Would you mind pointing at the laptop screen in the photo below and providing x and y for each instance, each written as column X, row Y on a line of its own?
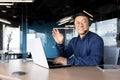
column 38, row 55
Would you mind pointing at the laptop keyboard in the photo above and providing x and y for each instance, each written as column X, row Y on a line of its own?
column 51, row 63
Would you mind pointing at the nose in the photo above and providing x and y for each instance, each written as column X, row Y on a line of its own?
column 80, row 25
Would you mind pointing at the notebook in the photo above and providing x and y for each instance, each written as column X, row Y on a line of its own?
column 38, row 54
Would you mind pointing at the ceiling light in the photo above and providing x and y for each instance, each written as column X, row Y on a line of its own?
column 60, row 23
column 64, row 28
column 5, row 21
column 64, row 20
column 8, row 6
column 16, row 1
column 4, row 3
column 91, row 19
column 4, row 11
column 88, row 13
column 14, row 16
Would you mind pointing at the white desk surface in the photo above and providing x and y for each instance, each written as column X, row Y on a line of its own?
column 35, row 72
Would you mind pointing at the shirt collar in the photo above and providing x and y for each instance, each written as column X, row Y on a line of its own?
column 86, row 36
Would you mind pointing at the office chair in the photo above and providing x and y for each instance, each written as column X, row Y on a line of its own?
column 111, row 54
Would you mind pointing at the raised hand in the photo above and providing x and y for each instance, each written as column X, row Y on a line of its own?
column 58, row 37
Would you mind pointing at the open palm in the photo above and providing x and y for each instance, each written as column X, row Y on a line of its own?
column 58, row 37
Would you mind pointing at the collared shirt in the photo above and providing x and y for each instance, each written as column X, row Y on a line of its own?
column 87, row 51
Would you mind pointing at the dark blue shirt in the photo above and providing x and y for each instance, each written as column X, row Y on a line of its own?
column 87, row 51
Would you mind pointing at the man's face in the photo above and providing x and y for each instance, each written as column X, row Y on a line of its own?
column 81, row 25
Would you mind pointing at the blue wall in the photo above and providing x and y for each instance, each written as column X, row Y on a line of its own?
column 44, row 31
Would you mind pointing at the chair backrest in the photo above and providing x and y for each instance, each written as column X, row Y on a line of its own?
column 111, row 54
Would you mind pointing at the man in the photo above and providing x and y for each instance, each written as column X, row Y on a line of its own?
column 85, row 50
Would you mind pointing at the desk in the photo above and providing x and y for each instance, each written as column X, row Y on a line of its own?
column 35, row 72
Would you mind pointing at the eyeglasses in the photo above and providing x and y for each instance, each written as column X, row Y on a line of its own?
column 83, row 22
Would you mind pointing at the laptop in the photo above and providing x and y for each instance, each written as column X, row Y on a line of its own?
column 35, row 47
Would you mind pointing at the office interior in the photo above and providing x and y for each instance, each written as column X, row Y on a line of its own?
column 24, row 20
column 36, row 19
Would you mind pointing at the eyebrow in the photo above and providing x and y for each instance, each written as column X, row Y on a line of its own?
column 82, row 20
